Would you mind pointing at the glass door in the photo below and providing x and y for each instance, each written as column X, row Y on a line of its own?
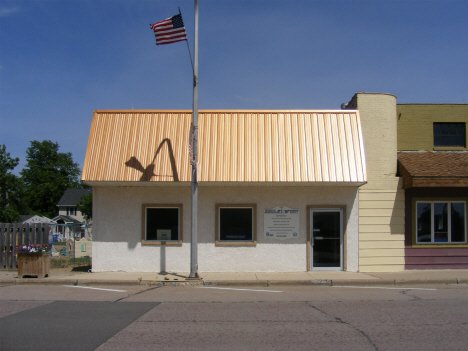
column 326, row 239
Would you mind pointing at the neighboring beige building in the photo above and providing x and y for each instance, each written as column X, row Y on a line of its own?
column 382, row 199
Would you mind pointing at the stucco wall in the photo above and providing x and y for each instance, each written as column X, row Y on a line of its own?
column 118, row 228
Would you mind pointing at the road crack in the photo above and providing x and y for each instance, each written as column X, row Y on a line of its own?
column 137, row 293
column 406, row 293
column 339, row 320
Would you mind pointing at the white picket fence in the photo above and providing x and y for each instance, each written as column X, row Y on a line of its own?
column 19, row 234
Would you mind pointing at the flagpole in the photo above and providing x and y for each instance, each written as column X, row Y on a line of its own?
column 194, row 207
column 188, row 47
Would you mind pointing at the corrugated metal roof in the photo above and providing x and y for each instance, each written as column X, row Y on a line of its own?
column 233, row 146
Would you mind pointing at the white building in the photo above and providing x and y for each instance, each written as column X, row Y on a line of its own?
column 278, row 190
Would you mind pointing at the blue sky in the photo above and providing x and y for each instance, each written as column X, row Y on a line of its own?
column 62, row 59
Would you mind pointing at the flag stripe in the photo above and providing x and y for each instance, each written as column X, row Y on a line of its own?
column 170, row 30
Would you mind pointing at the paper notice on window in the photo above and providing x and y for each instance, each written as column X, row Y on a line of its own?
column 163, row 234
column 281, row 223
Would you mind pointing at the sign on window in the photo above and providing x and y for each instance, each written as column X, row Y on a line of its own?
column 281, row 223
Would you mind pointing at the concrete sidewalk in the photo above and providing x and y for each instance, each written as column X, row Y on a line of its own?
column 339, row 278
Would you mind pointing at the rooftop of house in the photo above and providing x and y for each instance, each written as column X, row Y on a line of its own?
column 66, row 219
column 72, row 196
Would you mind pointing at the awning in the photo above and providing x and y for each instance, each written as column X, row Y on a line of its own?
column 433, row 169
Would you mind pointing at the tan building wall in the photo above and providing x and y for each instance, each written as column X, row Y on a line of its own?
column 381, row 229
column 381, row 200
column 421, row 117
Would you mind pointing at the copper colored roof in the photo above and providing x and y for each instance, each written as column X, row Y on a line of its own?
column 429, row 169
column 233, row 146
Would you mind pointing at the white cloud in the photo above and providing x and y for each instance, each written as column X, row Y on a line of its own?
column 4, row 11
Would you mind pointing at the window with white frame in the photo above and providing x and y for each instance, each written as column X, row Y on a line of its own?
column 162, row 224
column 236, row 224
column 71, row 211
column 440, row 222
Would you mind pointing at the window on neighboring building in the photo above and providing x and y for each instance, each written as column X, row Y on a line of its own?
column 449, row 134
column 162, row 223
column 440, row 222
column 71, row 211
column 236, row 224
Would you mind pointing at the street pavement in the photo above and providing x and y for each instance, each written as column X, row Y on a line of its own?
column 310, row 311
column 330, row 278
column 206, row 317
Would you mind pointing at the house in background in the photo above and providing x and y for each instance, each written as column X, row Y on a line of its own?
column 35, row 219
column 67, row 203
column 70, row 221
column 433, row 161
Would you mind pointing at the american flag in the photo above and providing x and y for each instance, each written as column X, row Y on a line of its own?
column 170, row 30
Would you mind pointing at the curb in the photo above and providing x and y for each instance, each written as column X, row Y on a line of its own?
column 258, row 283
column 87, row 282
column 266, row 283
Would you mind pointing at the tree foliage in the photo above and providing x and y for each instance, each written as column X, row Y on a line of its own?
column 85, row 206
column 48, row 173
column 9, row 188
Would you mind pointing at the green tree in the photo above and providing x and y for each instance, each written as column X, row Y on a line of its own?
column 9, row 188
column 85, row 206
column 48, row 173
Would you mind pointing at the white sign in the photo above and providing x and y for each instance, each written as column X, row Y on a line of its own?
column 163, row 234
column 281, row 223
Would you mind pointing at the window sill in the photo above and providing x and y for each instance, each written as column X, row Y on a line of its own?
column 449, row 148
column 438, row 246
column 235, row 244
column 161, row 243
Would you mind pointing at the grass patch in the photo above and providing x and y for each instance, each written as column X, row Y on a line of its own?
column 63, row 262
column 59, row 243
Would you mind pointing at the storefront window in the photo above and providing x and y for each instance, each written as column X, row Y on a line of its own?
column 162, row 224
column 236, row 224
column 440, row 222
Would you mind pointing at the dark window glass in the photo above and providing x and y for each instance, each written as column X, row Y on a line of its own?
column 162, row 224
column 235, row 224
column 458, row 222
column 449, row 134
column 440, row 222
column 424, row 222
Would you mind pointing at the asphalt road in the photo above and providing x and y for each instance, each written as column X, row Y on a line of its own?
column 37, row 317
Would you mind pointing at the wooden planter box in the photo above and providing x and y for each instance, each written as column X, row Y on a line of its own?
column 34, row 264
